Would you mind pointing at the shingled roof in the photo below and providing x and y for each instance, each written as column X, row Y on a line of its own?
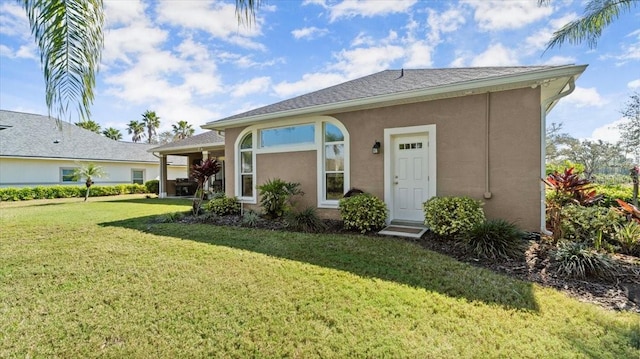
column 398, row 84
column 36, row 136
column 206, row 139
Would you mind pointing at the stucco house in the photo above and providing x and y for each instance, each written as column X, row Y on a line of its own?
column 405, row 136
column 35, row 151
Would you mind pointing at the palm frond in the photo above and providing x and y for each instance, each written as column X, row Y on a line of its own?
column 69, row 36
column 598, row 15
column 246, row 10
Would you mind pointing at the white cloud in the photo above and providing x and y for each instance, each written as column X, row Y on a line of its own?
column 119, row 12
column 419, row 55
column 365, row 61
column 309, row 33
column 122, row 43
column 494, row 15
column 496, row 55
column 585, row 97
column 608, row 132
column 368, row 8
column 23, row 52
column 447, row 21
column 560, row 60
column 309, row 82
column 13, row 20
column 635, row 84
column 256, row 85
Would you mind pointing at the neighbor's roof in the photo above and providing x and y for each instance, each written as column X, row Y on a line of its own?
column 36, row 136
column 206, row 140
column 391, row 87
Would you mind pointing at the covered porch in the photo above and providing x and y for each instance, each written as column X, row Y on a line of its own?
column 196, row 149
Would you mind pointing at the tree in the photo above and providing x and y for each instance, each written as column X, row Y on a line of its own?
column 89, row 125
column 151, row 121
column 555, row 140
column 202, row 172
column 630, row 131
column 165, row 137
column 69, row 35
column 594, row 155
column 136, row 129
column 183, row 130
column 112, row 133
column 89, row 172
column 598, row 15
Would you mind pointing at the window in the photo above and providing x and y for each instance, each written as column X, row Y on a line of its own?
column 137, row 176
column 67, row 175
column 287, row 136
column 246, row 166
column 333, row 162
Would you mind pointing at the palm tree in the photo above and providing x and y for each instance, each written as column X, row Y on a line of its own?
column 183, row 130
column 89, row 125
column 598, row 15
column 112, row 133
column 89, row 172
column 137, row 129
column 151, row 121
column 69, row 35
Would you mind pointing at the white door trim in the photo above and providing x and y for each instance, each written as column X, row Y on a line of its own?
column 430, row 130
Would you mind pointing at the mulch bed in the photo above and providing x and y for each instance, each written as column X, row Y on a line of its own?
column 621, row 293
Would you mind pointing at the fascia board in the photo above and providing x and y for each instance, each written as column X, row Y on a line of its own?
column 520, row 80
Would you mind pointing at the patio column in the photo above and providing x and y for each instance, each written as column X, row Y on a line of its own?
column 205, row 156
column 162, row 193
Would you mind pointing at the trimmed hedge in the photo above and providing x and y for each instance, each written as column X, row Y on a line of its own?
column 364, row 212
column 49, row 192
column 452, row 216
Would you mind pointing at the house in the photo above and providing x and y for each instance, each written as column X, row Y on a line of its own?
column 36, row 151
column 406, row 136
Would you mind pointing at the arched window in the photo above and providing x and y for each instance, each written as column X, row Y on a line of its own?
column 247, row 174
column 333, row 163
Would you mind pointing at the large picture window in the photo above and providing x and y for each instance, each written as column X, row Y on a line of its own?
column 287, row 136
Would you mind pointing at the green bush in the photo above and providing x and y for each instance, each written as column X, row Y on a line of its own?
column 590, row 225
column 275, row 197
column 223, row 206
column 576, row 260
column 628, row 238
column 153, row 186
column 612, row 192
column 306, row 220
column 250, row 218
column 48, row 192
column 495, row 239
column 452, row 216
column 364, row 212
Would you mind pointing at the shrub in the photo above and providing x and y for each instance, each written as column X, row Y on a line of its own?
column 223, row 206
column 452, row 216
column 275, row 196
column 568, row 187
column 612, row 192
column 153, row 186
column 576, row 260
column 250, row 218
column 628, row 238
column 48, row 192
column 588, row 224
column 495, row 239
column 170, row 217
column 364, row 212
column 306, row 220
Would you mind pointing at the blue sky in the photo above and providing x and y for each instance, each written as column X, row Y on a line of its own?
column 190, row 60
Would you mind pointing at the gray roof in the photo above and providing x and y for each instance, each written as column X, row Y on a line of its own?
column 205, row 139
column 37, row 136
column 389, row 83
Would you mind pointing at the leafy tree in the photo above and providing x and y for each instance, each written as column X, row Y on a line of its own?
column 88, row 172
column 165, row 137
column 594, row 155
column 555, row 140
column 136, row 129
column 201, row 173
column 598, row 14
column 183, row 130
column 630, row 131
column 112, row 133
column 69, row 35
column 151, row 121
column 89, row 125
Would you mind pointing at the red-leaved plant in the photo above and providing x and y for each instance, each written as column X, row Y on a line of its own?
column 201, row 173
column 569, row 187
column 628, row 210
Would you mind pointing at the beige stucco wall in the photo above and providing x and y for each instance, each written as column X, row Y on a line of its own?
column 514, row 161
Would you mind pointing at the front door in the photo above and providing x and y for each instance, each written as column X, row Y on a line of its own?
column 410, row 174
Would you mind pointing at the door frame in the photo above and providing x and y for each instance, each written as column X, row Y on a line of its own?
column 389, row 134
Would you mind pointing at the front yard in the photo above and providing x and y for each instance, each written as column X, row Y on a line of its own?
column 102, row 279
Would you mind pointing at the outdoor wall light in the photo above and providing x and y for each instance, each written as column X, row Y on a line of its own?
column 376, row 148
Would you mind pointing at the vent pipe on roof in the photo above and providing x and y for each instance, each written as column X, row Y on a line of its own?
column 401, row 74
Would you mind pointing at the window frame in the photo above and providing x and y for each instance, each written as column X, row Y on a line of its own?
column 137, row 170
column 62, row 175
column 239, row 170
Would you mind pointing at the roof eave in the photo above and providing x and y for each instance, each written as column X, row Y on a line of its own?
column 452, row 90
column 187, row 148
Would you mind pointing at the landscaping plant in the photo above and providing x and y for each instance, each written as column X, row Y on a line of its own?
column 452, row 216
column 576, row 260
column 628, row 238
column 250, row 218
column 363, row 212
column 276, row 197
column 153, row 186
column 495, row 239
column 201, row 173
column 88, row 172
column 306, row 220
column 223, row 206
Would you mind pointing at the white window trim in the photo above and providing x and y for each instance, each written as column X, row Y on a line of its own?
column 144, row 174
column 62, row 176
column 317, row 146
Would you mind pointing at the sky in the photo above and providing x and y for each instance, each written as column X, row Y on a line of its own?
column 193, row 61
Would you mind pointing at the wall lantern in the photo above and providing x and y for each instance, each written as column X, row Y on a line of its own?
column 376, row 148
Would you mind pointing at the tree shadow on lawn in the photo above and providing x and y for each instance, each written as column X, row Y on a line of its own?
column 385, row 258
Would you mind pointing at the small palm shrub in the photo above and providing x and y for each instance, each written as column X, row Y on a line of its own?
column 495, row 239
column 276, row 195
column 363, row 212
column 306, row 220
column 452, row 216
column 628, row 238
column 250, row 218
column 576, row 260
column 223, row 206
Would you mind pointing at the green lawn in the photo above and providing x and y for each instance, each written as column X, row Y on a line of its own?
column 100, row 279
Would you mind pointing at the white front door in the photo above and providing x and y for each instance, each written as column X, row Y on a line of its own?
column 410, row 176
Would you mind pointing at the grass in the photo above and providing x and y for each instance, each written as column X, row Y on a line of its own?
column 101, row 279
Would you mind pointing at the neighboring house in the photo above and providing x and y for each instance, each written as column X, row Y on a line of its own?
column 406, row 136
column 35, row 151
